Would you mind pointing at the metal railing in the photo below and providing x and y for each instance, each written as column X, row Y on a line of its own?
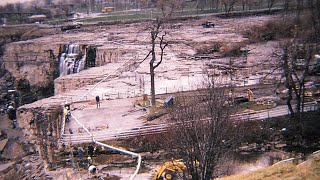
column 160, row 128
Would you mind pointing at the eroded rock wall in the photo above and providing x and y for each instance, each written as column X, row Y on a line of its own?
column 65, row 84
column 33, row 66
column 41, row 127
column 105, row 56
column 102, row 57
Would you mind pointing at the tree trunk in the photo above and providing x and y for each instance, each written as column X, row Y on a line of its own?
column 298, row 108
column 299, row 9
column 286, row 4
column 153, row 59
column 153, row 94
column 287, row 75
column 302, row 101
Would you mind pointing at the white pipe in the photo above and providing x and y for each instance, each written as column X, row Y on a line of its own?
column 82, row 126
column 114, row 148
column 62, row 128
column 125, row 152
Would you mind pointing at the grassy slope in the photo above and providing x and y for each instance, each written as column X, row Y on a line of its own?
column 309, row 170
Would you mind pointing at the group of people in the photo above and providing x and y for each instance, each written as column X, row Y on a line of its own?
column 92, row 169
column 90, row 152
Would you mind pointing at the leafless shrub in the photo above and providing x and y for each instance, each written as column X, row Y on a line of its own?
column 256, row 132
column 271, row 30
column 156, row 114
column 233, row 49
column 148, row 143
column 209, row 49
column 204, row 131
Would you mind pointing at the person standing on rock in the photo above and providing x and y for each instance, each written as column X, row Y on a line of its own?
column 98, row 101
column 66, row 113
column 12, row 114
column 80, row 153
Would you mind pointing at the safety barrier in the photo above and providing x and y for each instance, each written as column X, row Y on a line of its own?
column 79, row 138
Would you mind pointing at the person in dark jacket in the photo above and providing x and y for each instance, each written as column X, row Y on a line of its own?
column 90, row 150
column 98, row 101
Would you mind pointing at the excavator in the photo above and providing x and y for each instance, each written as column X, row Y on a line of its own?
column 170, row 170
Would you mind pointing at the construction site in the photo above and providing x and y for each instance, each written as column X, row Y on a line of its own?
column 82, row 96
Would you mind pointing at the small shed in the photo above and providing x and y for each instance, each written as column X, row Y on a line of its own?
column 168, row 102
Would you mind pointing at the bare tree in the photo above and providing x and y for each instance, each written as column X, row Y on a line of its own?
column 229, row 5
column 244, row 4
column 297, row 56
column 157, row 38
column 295, row 64
column 286, row 4
column 271, row 3
column 204, row 133
column 168, row 6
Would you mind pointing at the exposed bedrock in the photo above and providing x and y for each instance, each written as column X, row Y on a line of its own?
column 41, row 128
column 94, row 56
column 33, row 67
column 41, row 69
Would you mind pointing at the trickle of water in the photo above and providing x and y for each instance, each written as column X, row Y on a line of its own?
column 71, row 61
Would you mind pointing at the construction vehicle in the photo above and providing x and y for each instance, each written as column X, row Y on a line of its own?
column 170, row 170
column 250, row 94
column 107, row 9
column 207, row 24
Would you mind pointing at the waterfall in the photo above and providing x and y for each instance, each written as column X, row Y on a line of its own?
column 62, row 66
column 80, row 64
column 72, row 60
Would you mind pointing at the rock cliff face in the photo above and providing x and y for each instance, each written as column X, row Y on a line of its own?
column 11, row 34
column 106, row 55
column 41, row 127
column 95, row 57
column 33, row 66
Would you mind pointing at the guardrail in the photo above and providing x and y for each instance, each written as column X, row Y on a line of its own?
column 160, row 128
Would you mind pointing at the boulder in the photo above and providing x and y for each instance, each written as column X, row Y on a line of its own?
column 13, row 150
column 3, row 144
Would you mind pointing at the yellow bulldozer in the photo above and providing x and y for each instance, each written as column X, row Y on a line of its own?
column 170, row 170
